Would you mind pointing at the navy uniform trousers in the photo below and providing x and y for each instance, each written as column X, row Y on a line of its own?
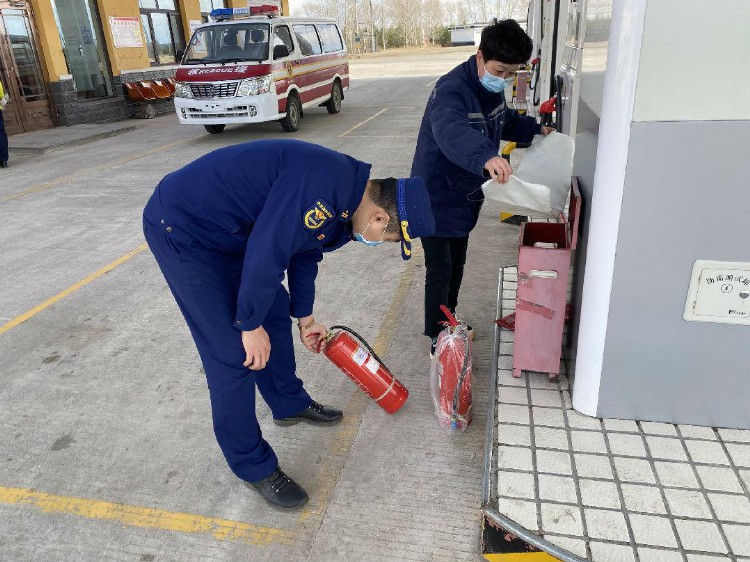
column 205, row 284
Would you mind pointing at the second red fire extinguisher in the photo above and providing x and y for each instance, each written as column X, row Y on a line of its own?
column 361, row 364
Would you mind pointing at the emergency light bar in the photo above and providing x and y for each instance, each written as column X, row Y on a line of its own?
column 221, row 14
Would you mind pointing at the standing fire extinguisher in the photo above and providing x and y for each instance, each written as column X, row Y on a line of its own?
column 361, row 364
column 450, row 375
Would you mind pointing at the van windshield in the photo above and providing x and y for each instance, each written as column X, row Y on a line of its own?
column 228, row 43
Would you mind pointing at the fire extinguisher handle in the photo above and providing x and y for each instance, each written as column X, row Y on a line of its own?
column 451, row 318
column 362, row 341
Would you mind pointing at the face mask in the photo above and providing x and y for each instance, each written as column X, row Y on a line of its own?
column 361, row 238
column 493, row 83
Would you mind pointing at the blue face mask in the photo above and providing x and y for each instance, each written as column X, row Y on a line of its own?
column 361, row 238
column 494, row 83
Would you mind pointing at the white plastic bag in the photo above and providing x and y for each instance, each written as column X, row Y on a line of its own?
column 539, row 185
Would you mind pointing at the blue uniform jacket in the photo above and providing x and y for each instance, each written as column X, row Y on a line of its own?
column 278, row 203
column 461, row 130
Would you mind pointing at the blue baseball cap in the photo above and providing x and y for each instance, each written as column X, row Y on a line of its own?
column 414, row 212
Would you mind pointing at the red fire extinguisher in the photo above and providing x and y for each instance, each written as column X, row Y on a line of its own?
column 451, row 374
column 361, row 364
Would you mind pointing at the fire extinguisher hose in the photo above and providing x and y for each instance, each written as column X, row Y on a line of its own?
column 457, row 392
column 372, row 352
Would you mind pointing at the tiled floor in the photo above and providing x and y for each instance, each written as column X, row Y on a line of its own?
column 615, row 490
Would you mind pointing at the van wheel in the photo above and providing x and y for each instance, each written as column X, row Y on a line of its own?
column 214, row 129
column 290, row 123
column 333, row 105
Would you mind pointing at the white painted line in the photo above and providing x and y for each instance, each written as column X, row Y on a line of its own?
column 358, row 125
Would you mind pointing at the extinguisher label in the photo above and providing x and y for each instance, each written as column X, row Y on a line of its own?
column 372, row 365
column 360, row 356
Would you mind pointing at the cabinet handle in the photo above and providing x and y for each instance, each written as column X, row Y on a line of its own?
column 543, row 274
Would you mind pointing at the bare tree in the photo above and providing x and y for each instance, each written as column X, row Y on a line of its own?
column 516, row 9
column 408, row 22
column 432, row 11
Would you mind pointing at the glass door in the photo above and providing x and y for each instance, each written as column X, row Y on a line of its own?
column 81, row 37
column 29, row 108
column 11, row 115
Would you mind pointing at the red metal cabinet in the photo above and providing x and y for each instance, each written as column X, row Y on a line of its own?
column 544, row 253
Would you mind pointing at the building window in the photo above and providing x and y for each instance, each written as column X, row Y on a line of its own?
column 83, row 48
column 208, row 5
column 162, row 27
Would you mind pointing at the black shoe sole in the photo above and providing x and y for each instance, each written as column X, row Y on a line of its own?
column 287, row 509
column 294, row 421
column 275, row 505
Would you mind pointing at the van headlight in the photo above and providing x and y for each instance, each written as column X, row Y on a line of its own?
column 182, row 90
column 254, row 86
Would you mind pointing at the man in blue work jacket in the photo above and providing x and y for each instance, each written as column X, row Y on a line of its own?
column 459, row 140
column 224, row 230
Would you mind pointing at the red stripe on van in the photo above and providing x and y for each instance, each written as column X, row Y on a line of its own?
column 322, row 75
column 315, row 93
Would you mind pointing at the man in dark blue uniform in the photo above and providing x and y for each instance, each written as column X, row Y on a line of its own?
column 459, row 139
column 224, row 230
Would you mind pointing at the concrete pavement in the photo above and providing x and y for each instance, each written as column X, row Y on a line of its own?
column 107, row 447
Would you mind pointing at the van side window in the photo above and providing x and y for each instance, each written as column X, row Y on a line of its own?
column 330, row 37
column 307, row 37
column 281, row 36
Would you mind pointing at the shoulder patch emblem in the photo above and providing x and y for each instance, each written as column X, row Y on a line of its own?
column 317, row 215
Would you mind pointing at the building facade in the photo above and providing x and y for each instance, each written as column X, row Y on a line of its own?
column 63, row 62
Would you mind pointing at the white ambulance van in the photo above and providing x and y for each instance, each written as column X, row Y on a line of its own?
column 249, row 66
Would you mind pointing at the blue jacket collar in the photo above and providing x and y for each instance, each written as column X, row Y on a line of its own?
column 358, row 191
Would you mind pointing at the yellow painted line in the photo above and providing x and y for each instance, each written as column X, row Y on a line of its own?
column 358, row 125
column 72, row 289
column 520, row 557
column 357, row 405
column 145, row 517
column 86, row 171
column 396, row 309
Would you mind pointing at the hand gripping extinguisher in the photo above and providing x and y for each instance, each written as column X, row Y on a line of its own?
column 361, row 364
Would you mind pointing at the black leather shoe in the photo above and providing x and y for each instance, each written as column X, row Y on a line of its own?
column 315, row 414
column 3, row 163
column 281, row 491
